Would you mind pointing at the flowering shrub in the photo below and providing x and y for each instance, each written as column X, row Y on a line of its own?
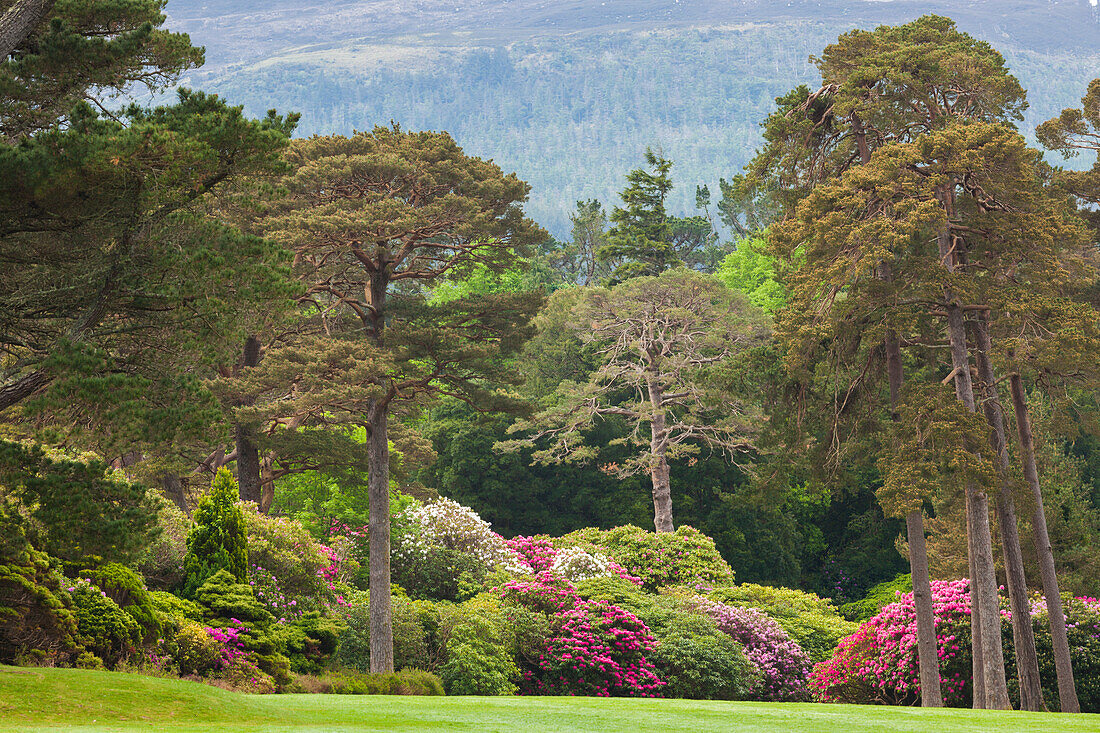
column 448, row 525
column 286, row 560
column 244, row 675
column 1083, row 629
column 446, row 551
column 573, row 563
column 878, row 663
column 196, row 652
column 783, row 664
column 230, row 646
column 594, row 647
column 269, row 592
column 810, row 620
column 684, row 557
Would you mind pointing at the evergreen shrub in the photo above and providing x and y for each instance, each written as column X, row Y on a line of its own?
column 35, row 613
column 217, row 542
column 103, row 627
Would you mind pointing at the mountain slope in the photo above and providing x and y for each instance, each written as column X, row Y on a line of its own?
column 569, row 92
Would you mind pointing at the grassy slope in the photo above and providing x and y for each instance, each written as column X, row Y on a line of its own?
column 57, row 699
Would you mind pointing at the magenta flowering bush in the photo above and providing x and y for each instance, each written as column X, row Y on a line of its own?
column 574, row 563
column 879, row 662
column 594, row 647
column 231, row 648
column 784, row 666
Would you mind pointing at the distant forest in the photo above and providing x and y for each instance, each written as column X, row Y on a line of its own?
column 571, row 114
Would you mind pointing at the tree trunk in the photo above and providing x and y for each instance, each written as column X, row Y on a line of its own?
column 1063, row 663
column 19, row 22
column 1023, row 637
column 378, row 492
column 983, row 582
column 378, row 496
column 172, row 485
column 248, row 454
column 659, row 470
column 931, row 694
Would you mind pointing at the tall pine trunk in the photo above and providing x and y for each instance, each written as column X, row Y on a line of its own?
column 928, row 658
column 248, row 454
column 378, row 492
column 378, row 497
column 1063, row 663
column 19, row 21
column 984, row 605
column 1023, row 637
column 659, row 469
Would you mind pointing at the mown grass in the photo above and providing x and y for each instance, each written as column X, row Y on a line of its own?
column 64, row 699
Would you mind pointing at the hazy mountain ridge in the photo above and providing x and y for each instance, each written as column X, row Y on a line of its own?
column 569, row 93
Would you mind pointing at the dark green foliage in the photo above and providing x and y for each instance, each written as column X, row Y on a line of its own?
column 439, row 573
column 703, row 664
column 877, row 597
column 477, row 661
column 85, row 510
column 104, row 629
column 639, row 239
column 126, row 588
column 1083, row 627
column 146, row 290
column 410, row 637
column 224, row 599
column 309, row 642
column 217, row 541
column 34, row 612
column 88, row 48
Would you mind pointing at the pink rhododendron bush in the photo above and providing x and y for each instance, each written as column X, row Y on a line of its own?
column 878, row 663
column 593, row 648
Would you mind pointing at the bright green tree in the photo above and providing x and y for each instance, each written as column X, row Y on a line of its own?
column 218, row 540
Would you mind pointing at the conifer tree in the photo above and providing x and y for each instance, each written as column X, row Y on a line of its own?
column 658, row 340
column 388, row 211
column 217, row 541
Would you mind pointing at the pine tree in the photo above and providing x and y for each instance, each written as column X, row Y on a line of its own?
column 372, row 219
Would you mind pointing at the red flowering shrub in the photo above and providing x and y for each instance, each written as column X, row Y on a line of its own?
column 879, row 662
column 594, row 647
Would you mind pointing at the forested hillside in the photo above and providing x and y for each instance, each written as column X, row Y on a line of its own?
column 569, row 94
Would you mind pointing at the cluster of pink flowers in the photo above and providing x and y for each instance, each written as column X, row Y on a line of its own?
column 596, row 648
column 784, row 666
column 269, row 592
column 230, row 640
column 540, row 555
column 880, row 660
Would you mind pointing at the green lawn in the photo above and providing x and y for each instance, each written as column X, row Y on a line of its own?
column 64, row 699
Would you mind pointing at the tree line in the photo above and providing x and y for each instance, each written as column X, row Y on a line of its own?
column 187, row 288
